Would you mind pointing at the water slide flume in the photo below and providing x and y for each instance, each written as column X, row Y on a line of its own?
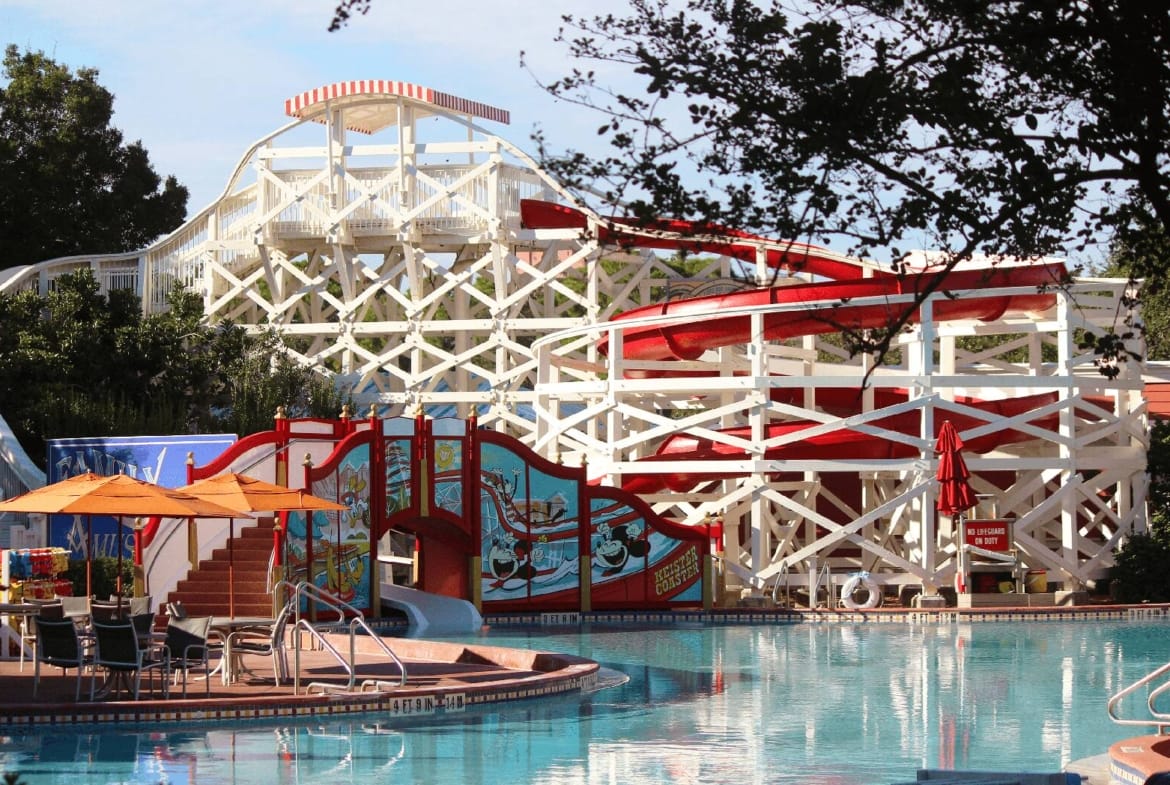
column 848, row 302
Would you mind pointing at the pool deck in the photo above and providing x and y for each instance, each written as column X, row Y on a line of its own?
column 441, row 677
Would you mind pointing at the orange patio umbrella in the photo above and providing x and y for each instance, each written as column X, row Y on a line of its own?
column 116, row 495
column 251, row 495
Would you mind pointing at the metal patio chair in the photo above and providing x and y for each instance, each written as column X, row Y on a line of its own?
column 59, row 645
column 118, row 650
column 188, row 647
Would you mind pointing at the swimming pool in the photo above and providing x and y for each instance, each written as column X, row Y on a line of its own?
column 806, row 703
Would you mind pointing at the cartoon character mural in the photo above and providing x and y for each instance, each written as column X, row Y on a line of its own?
column 529, row 525
column 634, row 562
column 617, row 544
column 347, row 559
column 399, row 471
column 508, row 558
column 332, row 550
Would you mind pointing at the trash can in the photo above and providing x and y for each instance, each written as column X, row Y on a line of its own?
column 1036, row 581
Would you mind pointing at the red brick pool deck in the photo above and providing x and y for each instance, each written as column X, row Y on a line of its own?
column 441, row 677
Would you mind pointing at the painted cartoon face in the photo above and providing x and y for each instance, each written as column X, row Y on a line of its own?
column 502, row 560
column 611, row 552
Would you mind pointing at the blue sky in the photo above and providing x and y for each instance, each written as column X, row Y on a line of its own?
column 197, row 82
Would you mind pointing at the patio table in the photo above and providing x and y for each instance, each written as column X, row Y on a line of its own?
column 224, row 626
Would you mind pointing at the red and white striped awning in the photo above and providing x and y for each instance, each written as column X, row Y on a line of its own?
column 368, row 116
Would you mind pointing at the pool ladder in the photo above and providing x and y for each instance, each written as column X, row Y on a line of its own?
column 1157, row 719
column 824, row 580
column 317, row 597
column 782, row 582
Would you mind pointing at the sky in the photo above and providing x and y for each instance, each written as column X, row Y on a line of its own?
column 198, row 82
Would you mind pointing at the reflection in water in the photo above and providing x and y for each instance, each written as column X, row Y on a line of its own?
column 822, row 704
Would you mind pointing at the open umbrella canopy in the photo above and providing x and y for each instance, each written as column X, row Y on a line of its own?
column 954, row 492
column 117, row 495
column 247, row 494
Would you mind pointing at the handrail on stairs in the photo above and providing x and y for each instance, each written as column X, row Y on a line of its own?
column 319, row 598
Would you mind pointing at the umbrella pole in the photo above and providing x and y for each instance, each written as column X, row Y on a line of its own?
column 118, row 577
column 962, row 532
column 88, row 556
column 231, row 568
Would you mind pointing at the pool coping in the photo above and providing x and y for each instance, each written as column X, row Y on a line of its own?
column 895, row 615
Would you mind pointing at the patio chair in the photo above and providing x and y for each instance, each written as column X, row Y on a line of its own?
column 49, row 609
column 58, row 644
column 135, row 605
column 253, row 641
column 106, row 612
column 188, row 647
column 117, row 649
column 77, row 609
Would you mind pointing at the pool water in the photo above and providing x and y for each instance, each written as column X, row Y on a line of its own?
column 807, row 703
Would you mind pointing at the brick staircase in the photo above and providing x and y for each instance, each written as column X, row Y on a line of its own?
column 204, row 592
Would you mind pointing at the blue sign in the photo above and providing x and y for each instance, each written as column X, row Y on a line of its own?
column 161, row 460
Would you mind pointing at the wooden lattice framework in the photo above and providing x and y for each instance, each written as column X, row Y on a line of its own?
column 389, row 252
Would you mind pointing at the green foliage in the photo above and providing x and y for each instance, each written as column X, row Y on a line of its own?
column 999, row 128
column 103, row 577
column 77, row 363
column 68, row 183
column 263, row 377
column 1140, row 252
column 345, row 10
column 1140, row 572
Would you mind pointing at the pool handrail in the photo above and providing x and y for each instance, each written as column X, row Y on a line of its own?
column 782, row 579
column 317, row 596
column 824, row 578
column 1159, row 720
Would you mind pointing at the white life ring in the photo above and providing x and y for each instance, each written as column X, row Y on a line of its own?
column 859, row 583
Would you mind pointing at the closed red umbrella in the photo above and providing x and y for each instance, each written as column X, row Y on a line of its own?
column 954, row 488
column 955, row 495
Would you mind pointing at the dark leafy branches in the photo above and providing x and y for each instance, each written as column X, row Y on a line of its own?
column 347, row 9
column 1003, row 128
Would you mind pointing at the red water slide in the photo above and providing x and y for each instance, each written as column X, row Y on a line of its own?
column 850, row 301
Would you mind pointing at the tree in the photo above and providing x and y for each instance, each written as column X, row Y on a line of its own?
column 997, row 128
column 345, row 10
column 1140, row 250
column 68, row 183
column 77, row 362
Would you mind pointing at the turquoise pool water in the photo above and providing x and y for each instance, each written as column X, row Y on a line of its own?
column 823, row 704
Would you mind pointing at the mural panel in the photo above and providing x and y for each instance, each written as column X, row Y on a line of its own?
column 335, row 553
column 634, row 562
column 530, row 525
